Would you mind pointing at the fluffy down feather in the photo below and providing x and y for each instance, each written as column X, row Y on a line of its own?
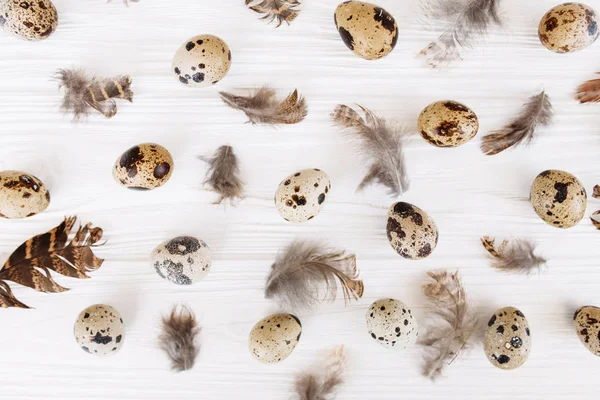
column 263, row 107
column 516, row 256
column 280, row 10
column 223, row 174
column 177, row 338
column 321, row 383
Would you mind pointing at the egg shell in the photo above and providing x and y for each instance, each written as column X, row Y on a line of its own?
column 99, row 330
column 411, row 231
column 182, row 260
column 568, row 27
column 448, row 123
column 587, row 325
column 368, row 30
column 391, row 323
column 143, row 167
column 558, row 198
column 202, row 61
column 22, row 195
column 300, row 196
column 274, row 338
column 507, row 339
column 28, row 19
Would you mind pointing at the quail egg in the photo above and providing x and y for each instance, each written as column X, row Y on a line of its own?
column 301, row 196
column 202, row 61
column 143, row 167
column 448, row 124
column 22, row 195
column 558, row 198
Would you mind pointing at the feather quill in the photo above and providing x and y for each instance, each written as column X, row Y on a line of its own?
column 517, row 256
column 305, row 273
column 178, row 338
column 279, row 10
column 536, row 112
column 263, row 107
column 589, row 91
column 223, row 174
column 83, row 93
column 451, row 323
column 466, row 18
column 322, row 383
column 382, row 143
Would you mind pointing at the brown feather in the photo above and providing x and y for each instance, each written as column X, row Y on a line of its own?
column 263, row 107
column 178, row 338
column 596, row 192
column 536, row 112
column 321, row 383
column 450, row 325
column 596, row 219
column 304, row 274
column 224, row 174
column 280, row 10
column 517, row 256
column 589, row 91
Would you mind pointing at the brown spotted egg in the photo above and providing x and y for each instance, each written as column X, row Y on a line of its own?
column 22, row 195
column 301, row 196
column 507, row 340
column 587, row 325
column 411, row 231
column 274, row 338
column 558, row 198
column 448, row 123
column 29, row 19
column 182, row 260
column 143, row 167
column 391, row 323
column 99, row 330
column 202, row 61
column 569, row 27
column 368, row 30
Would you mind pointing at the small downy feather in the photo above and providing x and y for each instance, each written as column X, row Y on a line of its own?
column 83, row 93
column 223, row 174
column 466, row 18
column 263, row 107
column 280, row 10
column 450, row 324
column 589, row 91
column 382, row 143
column 178, row 336
column 516, row 256
column 536, row 112
column 305, row 273
column 321, row 382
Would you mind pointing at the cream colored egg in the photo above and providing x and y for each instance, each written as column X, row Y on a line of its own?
column 448, row 123
column 301, row 196
column 558, row 198
column 569, row 27
column 202, row 61
column 22, row 195
column 587, row 326
column 144, row 167
column 28, row 19
column 99, row 330
column 274, row 338
column 391, row 323
column 182, row 260
column 411, row 231
column 507, row 339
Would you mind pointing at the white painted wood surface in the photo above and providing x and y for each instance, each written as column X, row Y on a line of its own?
column 468, row 194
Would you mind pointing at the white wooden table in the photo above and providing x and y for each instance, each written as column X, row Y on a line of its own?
column 467, row 193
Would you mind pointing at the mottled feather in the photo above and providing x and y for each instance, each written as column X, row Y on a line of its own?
column 589, row 91
column 223, row 174
column 275, row 10
column 178, row 338
column 322, row 381
column 263, row 107
column 516, row 256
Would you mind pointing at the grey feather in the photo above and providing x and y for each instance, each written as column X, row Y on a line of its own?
column 321, row 382
column 536, row 112
column 275, row 10
column 305, row 273
column 466, row 20
column 223, row 174
column 178, row 338
column 517, row 256
column 382, row 144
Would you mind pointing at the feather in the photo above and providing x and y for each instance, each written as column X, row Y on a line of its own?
column 280, row 10
column 537, row 111
column 596, row 219
column 596, row 192
column 382, row 143
column 177, row 338
column 451, row 323
column 589, row 91
column 322, row 382
column 83, row 93
column 305, row 274
column 263, row 107
column 30, row 264
column 223, row 174
column 516, row 256
column 466, row 19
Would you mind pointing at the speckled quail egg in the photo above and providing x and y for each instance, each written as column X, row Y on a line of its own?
column 143, row 167
column 448, row 123
column 587, row 325
column 391, row 323
column 368, row 30
column 183, row 260
column 301, row 196
column 558, row 198
column 274, row 338
column 99, row 330
column 569, row 27
column 202, row 61
column 22, row 195
column 411, row 231
column 507, row 340
column 28, row 19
